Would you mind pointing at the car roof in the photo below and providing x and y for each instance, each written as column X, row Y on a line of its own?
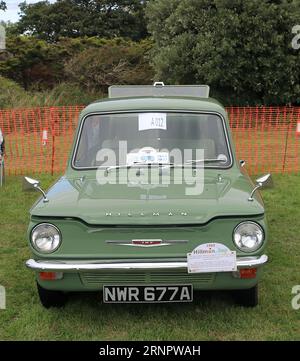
column 176, row 103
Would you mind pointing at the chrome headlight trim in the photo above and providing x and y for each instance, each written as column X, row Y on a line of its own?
column 245, row 248
column 33, row 241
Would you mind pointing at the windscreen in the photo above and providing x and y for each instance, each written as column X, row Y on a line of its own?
column 151, row 137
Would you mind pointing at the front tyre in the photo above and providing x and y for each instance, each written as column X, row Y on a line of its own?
column 247, row 298
column 51, row 298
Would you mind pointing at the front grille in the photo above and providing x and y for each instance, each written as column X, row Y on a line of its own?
column 97, row 278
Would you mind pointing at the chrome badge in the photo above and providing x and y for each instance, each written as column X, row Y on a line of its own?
column 148, row 242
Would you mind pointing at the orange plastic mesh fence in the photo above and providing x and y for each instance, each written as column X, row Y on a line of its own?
column 268, row 138
column 38, row 140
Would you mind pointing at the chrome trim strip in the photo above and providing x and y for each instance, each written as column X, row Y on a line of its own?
column 71, row 266
column 131, row 244
column 143, row 245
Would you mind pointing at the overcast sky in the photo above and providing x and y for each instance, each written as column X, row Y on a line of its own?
column 12, row 9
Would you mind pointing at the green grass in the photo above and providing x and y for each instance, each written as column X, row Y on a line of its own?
column 212, row 316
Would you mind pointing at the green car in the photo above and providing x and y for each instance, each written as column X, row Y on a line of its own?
column 153, row 205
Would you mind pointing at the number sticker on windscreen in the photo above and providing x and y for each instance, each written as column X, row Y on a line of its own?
column 152, row 121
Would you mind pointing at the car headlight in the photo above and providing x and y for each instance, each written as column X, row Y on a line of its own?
column 248, row 236
column 45, row 238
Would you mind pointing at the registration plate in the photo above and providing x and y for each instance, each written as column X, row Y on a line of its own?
column 147, row 293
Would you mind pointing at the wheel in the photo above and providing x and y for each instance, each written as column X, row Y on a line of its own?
column 50, row 298
column 247, row 298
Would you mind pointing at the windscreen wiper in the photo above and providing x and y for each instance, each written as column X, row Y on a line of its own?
column 138, row 165
column 165, row 165
column 211, row 160
column 194, row 162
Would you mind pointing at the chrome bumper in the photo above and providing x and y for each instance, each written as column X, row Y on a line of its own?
column 73, row 266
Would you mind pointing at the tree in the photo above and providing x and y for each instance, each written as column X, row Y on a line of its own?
column 96, row 68
column 89, row 63
column 78, row 18
column 33, row 62
column 3, row 5
column 241, row 48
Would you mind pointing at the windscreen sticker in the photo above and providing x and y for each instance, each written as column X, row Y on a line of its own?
column 152, row 121
column 148, row 155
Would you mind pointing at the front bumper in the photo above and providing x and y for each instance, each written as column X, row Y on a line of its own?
column 86, row 266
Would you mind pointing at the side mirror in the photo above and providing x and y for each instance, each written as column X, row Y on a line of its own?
column 262, row 182
column 265, row 181
column 30, row 184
